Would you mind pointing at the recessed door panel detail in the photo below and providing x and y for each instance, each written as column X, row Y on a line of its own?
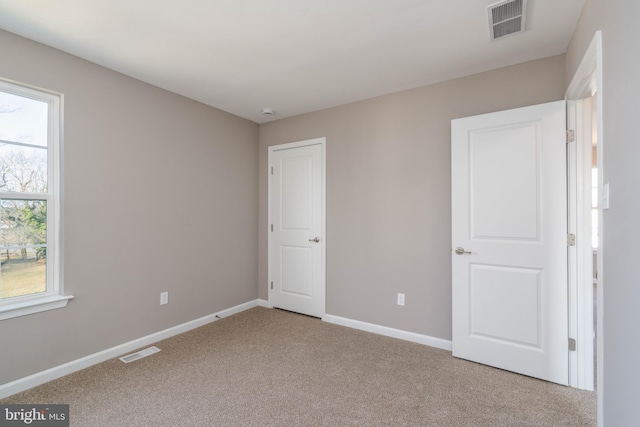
column 505, row 304
column 296, row 279
column 296, row 193
column 504, row 182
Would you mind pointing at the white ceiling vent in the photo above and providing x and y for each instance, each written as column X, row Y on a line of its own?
column 507, row 17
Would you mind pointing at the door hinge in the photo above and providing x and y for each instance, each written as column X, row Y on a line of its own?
column 571, row 239
column 572, row 344
column 271, row 170
column 571, row 135
column 272, row 284
column 271, row 227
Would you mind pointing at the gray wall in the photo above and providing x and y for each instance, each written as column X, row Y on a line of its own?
column 160, row 194
column 621, row 236
column 388, row 191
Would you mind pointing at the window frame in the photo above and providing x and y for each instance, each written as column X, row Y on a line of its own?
column 53, row 297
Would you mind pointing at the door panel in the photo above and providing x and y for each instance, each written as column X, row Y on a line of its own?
column 297, row 192
column 296, row 266
column 492, row 317
column 516, row 202
column 509, row 216
column 296, row 237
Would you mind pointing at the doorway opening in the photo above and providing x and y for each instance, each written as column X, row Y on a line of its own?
column 595, row 237
column 587, row 200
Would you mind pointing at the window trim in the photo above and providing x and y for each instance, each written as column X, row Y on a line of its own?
column 53, row 297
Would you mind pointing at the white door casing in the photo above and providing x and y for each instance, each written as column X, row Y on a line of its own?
column 509, row 215
column 297, row 227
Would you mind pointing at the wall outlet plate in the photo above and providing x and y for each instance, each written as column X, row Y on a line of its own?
column 164, row 298
column 400, row 299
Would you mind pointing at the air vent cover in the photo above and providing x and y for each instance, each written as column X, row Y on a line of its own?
column 507, row 17
column 139, row 354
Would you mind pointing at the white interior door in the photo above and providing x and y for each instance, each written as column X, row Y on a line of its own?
column 296, row 234
column 509, row 236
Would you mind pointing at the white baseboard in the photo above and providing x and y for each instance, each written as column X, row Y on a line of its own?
column 39, row 378
column 34, row 380
column 389, row 332
column 264, row 303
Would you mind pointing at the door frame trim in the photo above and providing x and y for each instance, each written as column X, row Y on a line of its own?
column 579, row 153
column 322, row 141
column 587, row 81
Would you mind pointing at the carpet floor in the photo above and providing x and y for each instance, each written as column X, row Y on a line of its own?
column 266, row 367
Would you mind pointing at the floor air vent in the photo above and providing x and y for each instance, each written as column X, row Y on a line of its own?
column 139, row 354
column 507, row 17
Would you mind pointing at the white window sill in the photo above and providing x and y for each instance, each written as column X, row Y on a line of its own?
column 33, row 305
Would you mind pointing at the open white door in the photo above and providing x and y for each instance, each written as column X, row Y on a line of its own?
column 509, row 236
column 297, row 227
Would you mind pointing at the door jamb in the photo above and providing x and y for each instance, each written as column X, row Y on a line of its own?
column 580, row 294
column 587, row 81
column 323, row 221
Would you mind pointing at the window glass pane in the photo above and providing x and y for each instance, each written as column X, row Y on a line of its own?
column 23, row 272
column 23, row 223
column 28, row 201
column 23, row 169
column 23, row 119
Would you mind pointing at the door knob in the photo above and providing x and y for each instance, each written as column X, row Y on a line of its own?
column 317, row 239
column 461, row 251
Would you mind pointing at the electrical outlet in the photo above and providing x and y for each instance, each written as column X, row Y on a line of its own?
column 401, row 299
column 164, row 298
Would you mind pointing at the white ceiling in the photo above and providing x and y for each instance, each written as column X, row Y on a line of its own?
column 294, row 56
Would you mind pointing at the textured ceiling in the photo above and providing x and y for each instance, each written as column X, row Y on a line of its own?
column 294, row 56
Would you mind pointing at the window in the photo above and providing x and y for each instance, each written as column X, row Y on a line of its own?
column 30, row 251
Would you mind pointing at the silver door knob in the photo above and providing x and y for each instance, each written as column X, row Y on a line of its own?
column 317, row 240
column 461, row 251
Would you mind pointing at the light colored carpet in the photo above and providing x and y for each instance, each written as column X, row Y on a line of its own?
column 267, row 367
